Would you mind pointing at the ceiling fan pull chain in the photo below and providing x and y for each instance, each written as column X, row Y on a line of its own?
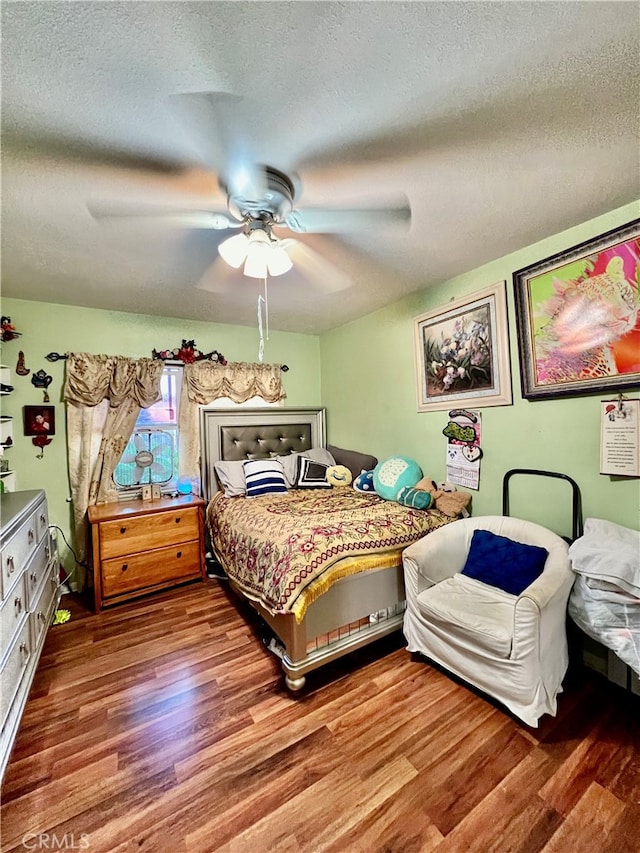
column 266, row 307
column 261, row 346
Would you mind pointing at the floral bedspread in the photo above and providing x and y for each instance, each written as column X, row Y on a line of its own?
column 274, row 546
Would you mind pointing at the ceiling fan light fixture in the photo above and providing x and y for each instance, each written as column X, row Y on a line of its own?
column 234, row 250
column 279, row 261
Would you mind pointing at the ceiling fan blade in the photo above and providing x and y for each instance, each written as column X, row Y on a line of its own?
column 320, row 271
column 217, row 123
column 151, row 215
column 63, row 149
column 327, row 220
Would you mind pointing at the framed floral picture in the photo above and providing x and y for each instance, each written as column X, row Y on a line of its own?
column 578, row 318
column 462, row 353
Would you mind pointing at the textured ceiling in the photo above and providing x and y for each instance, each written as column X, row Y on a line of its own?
column 503, row 123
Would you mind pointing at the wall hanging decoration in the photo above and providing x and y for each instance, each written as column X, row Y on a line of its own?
column 21, row 370
column 40, row 423
column 578, row 318
column 42, row 380
column 462, row 352
column 187, row 353
column 8, row 331
column 464, row 453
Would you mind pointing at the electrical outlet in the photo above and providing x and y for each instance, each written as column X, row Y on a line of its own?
column 146, row 493
column 156, row 492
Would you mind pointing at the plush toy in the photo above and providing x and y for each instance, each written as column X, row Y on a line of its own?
column 416, row 498
column 390, row 475
column 339, row 475
column 364, row 482
column 449, row 502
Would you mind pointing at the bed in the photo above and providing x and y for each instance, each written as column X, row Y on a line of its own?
column 322, row 567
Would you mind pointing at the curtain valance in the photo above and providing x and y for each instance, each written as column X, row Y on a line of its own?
column 90, row 379
column 205, row 381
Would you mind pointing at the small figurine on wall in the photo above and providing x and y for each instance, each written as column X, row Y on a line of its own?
column 7, row 330
column 41, row 379
column 39, row 422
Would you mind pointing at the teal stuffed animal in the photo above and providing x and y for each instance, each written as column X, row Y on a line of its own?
column 392, row 474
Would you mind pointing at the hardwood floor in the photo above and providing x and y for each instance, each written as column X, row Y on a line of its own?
column 163, row 725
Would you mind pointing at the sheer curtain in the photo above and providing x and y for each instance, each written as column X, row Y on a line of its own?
column 104, row 395
column 206, row 381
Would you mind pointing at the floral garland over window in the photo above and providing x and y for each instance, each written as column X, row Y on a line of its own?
column 188, row 353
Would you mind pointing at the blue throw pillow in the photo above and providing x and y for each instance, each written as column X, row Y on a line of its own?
column 502, row 562
column 264, row 477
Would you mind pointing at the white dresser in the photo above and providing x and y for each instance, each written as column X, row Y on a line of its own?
column 28, row 599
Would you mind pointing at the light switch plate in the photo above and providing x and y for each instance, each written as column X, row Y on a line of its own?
column 156, row 492
column 146, row 493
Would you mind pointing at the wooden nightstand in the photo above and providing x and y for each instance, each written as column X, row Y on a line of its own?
column 143, row 546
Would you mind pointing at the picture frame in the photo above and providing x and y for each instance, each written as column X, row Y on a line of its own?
column 578, row 320
column 39, row 420
column 462, row 353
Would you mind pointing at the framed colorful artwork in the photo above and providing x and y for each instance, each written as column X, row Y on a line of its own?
column 578, row 318
column 462, row 353
column 39, row 420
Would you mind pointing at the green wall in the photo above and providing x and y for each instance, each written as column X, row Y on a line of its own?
column 368, row 388
column 364, row 374
column 60, row 328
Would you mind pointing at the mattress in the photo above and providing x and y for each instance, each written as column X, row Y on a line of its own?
column 285, row 550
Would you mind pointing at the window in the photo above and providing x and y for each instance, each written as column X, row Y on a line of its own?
column 151, row 456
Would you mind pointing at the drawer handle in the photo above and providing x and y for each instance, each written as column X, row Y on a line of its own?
column 53, row 581
column 125, row 566
column 179, row 554
column 24, row 650
column 47, row 551
column 33, row 577
column 10, row 566
column 18, row 605
column 31, row 535
column 178, row 519
column 40, row 616
column 43, row 520
column 123, row 530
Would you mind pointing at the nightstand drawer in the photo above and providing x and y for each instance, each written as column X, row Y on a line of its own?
column 135, row 572
column 145, row 532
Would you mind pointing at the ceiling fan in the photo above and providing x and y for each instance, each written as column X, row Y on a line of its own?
column 259, row 199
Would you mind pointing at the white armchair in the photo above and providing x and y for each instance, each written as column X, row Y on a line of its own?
column 512, row 647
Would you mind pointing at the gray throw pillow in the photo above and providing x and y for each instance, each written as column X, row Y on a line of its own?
column 353, row 460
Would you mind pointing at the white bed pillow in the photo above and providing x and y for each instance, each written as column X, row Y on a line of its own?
column 264, row 477
column 231, row 477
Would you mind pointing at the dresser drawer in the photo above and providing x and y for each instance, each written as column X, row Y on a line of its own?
column 12, row 612
column 42, row 521
column 40, row 614
column 12, row 670
column 144, row 532
column 36, row 570
column 16, row 552
column 139, row 571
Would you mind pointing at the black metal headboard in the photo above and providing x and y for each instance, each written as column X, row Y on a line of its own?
column 238, row 434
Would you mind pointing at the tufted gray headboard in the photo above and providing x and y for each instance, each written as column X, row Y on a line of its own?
column 233, row 434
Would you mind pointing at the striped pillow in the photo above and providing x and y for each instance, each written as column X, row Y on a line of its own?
column 264, row 477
